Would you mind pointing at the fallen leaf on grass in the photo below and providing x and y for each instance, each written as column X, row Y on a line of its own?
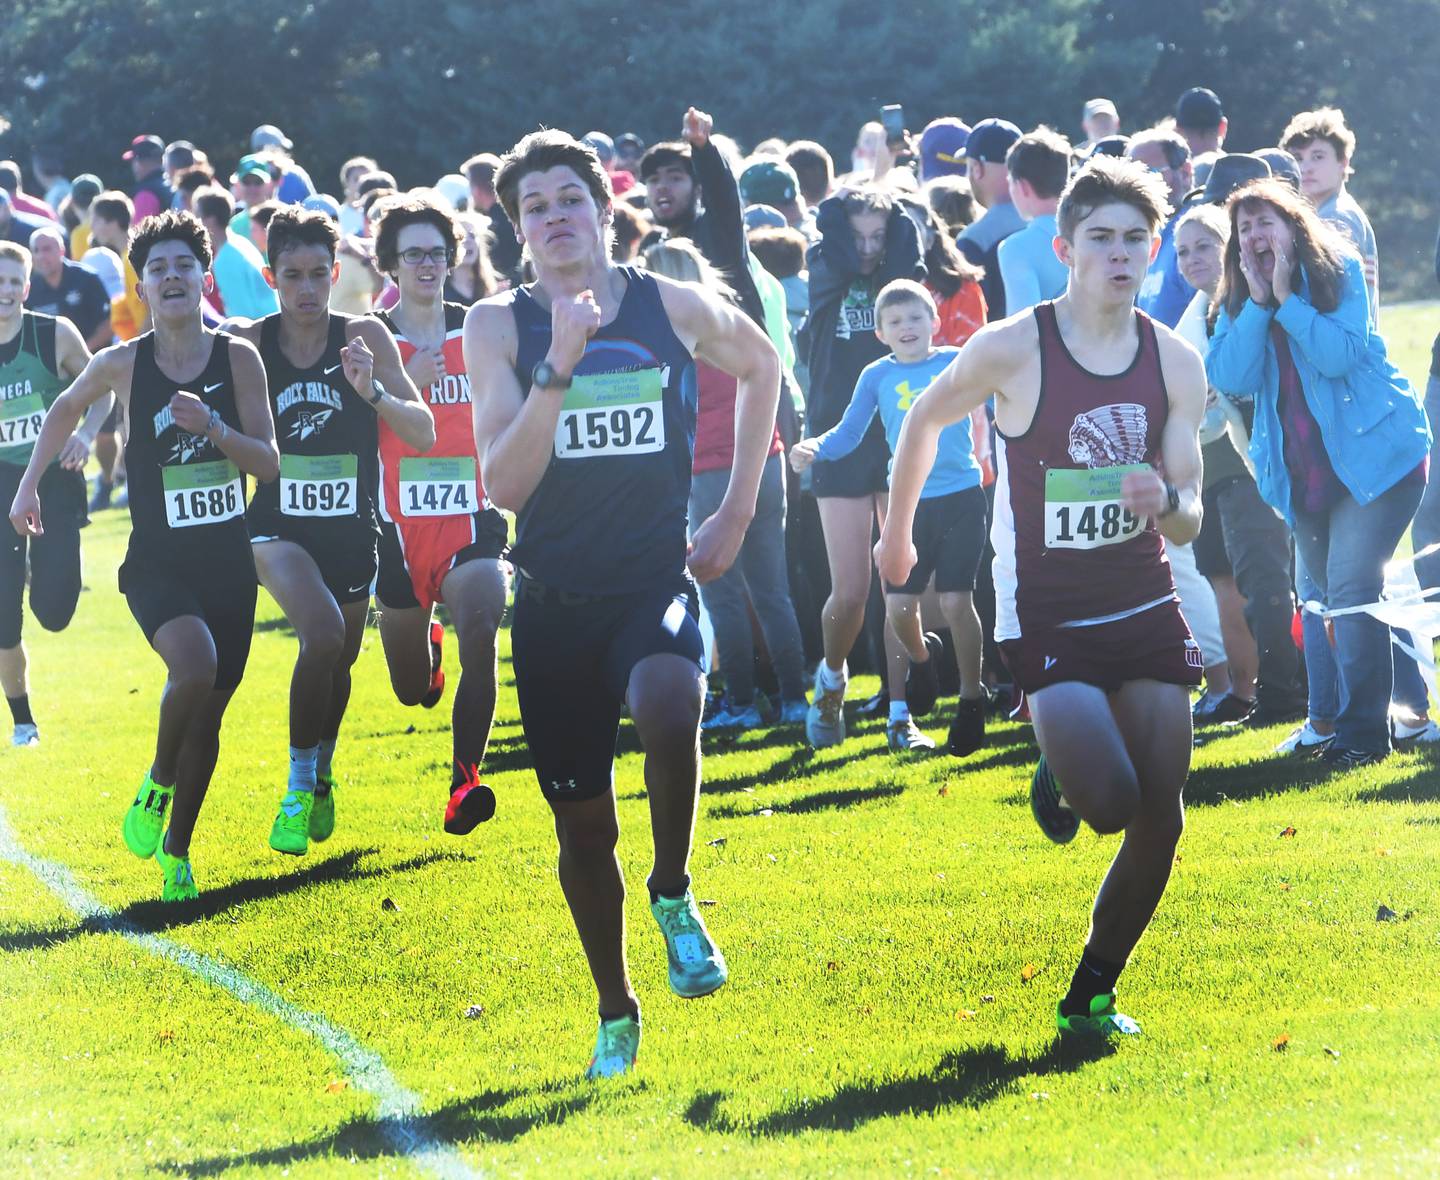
column 1287, row 832
column 337, row 1085
column 474, row 1012
column 409, row 729
column 1281, row 1043
column 1382, row 852
column 967, row 1014
column 987, row 999
column 718, row 842
column 943, row 791
column 166, row 1035
column 388, row 905
column 1385, row 914
column 1333, row 1054
column 832, row 965
column 1028, row 972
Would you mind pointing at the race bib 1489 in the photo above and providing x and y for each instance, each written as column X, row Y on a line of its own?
column 612, row 414
column 202, row 493
column 1083, row 508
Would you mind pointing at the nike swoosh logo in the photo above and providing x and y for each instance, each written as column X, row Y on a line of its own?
column 213, row 388
column 357, row 589
column 331, row 369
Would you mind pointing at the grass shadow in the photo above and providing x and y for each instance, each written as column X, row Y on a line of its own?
column 820, row 801
column 1422, row 785
column 154, row 916
column 1208, row 786
column 282, row 624
column 798, row 764
column 970, row 1077
column 374, row 1139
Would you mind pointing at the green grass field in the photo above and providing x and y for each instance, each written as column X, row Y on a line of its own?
column 898, row 932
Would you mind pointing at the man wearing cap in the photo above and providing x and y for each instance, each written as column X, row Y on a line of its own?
column 1100, row 120
column 179, row 157
column 984, row 152
column 942, row 148
column 774, row 183
column 1164, row 294
column 59, row 287
column 1200, row 118
column 629, row 149
column 253, row 181
column 147, row 163
column 294, row 182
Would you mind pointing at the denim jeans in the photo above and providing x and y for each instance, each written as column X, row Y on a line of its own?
column 757, row 579
column 1343, row 553
column 1427, row 519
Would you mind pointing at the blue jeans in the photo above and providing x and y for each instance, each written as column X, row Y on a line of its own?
column 1343, row 553
column 758, row 579
column 1427, row 519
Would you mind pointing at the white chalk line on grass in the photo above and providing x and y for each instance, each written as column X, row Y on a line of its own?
column 398, row 1110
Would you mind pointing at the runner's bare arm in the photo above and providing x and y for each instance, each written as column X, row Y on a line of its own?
column 252, row 448
column 727, row 338
column 515, row 434
column 378, row 362
column 1144, row 492
column 978, row 370
column 71, row 357
column 107, row 370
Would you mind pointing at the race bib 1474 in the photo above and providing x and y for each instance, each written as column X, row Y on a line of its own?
column 440, row 486
column 1083, row 508
column 612, row 414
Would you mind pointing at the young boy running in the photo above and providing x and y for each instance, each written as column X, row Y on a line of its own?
column 441, row 540
column 39, row 356
column 1093, row 401
column 949, row 529
column 331, row 378
column 195, row 400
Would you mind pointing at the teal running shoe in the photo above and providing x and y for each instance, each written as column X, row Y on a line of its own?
column 291, row 831
column 697, row 967
column 617, row 1044
column 179, row 877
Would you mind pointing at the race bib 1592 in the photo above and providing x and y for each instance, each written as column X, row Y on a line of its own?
column 202, row 493
column 1083, row 508
column 440, row 486
column 318, row 485
column 612, row 414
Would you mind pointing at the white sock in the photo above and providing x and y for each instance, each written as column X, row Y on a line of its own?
column 830, row 681
column 302, row 768
column 899, row 711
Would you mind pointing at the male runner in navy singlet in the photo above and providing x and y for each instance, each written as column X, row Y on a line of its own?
column 584, row 422
column 1097, row 409
column 199, row 417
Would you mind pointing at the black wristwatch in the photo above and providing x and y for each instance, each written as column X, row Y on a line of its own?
column 379, row 390
column 1172, row 499
column 545, row 376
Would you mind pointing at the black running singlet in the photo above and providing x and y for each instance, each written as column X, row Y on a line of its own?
column 185, row 495
column 326, row 435
column 609, row 514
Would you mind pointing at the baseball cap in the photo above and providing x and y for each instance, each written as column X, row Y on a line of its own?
column 604, row 146
column 989, row 140
column 769, row 182
column 252, row 166
column 629, row 141
column 268, row 135
column 322, row 203
column 145, row 147
column 764, row 217
column 1199, row 108
column 1109, row 145
column 180, row 154
column 85, row 188
column 1282, row 164
column 942, row 148
column 1099, row 106
column 1229, row 172
column 455, row 189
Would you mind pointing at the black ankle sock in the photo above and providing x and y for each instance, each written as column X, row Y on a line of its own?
column 635, row 1012
column 20, row 709
column 1093, row 977
column 656, row 895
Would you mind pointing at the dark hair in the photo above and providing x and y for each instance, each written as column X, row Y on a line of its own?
column 1319, row 250
column 413, row 209
column 373, row 180
column 813, row 168
column 113, row 206
column 948, row 269
column 671, row 154
column 169, row 225
column 213, row 203
column 262, row 213
column 1111, row 180
column 1042, row 158
column 292, row 226
column 372, row 197
column 779, row 250
column 869, row 199
column 951, row 200
column 539, row 152
column 631, row 225
column 10, row 176
column 194, row 178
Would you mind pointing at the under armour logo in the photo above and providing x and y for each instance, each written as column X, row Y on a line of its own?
column 567, row 785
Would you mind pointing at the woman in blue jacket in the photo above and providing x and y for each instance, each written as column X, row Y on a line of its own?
column 1339, row 441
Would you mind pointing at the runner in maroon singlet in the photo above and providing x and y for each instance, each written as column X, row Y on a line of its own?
column 1097, row 409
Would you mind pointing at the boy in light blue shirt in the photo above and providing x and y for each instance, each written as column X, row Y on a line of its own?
column 950, row 524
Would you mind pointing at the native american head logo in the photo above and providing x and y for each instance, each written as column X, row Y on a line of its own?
column 1109, row 436
column 187, row 446
column 309, row 422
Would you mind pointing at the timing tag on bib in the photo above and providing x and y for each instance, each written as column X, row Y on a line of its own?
column 1083, row 509
column 318, row 485
column 612, row 414
column 20, row 419
column 202, row 493
column 440, row 486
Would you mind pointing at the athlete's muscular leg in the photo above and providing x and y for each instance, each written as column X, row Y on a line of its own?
column 293, row 580
column 13, row 679
column 665, row 696
column 897, row 659
column 902, row 612
column 12, row 615
column 1154, row 719
column 405, row 636
column 196, row 765
column 1078, row 734
column 475, row 594
column 958, row 607
column 354, row 614
column 186, row 646
column 594, row 887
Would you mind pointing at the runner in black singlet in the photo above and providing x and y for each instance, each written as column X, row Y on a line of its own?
column 584, row 421
column 199, row 421
column 314, row 530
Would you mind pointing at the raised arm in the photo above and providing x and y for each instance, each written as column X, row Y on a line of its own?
column 373, row 366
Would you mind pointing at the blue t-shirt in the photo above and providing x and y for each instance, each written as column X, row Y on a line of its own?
column 1164, row 295
column 1029, row 267
column 890, row 388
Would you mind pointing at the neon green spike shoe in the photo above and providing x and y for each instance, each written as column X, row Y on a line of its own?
column 1104, row 1021
column 291, row 831
column 146, row 818
column 179, row 877
column 617, row 1044
column 322, row 814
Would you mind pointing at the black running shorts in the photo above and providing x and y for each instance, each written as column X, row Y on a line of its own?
column 343, row 549
column 949, row 536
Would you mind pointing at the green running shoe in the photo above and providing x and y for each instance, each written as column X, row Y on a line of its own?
column 616, row 1046
column 291, row 831
column 146, row 818
column 179, row 877
column 697, row 967
column 322, row 814
column 1104, row 1021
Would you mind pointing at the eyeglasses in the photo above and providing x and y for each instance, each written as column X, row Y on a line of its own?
column 415, row 256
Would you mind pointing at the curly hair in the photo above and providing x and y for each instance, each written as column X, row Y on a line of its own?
column 413, row 208
column 169, row 225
